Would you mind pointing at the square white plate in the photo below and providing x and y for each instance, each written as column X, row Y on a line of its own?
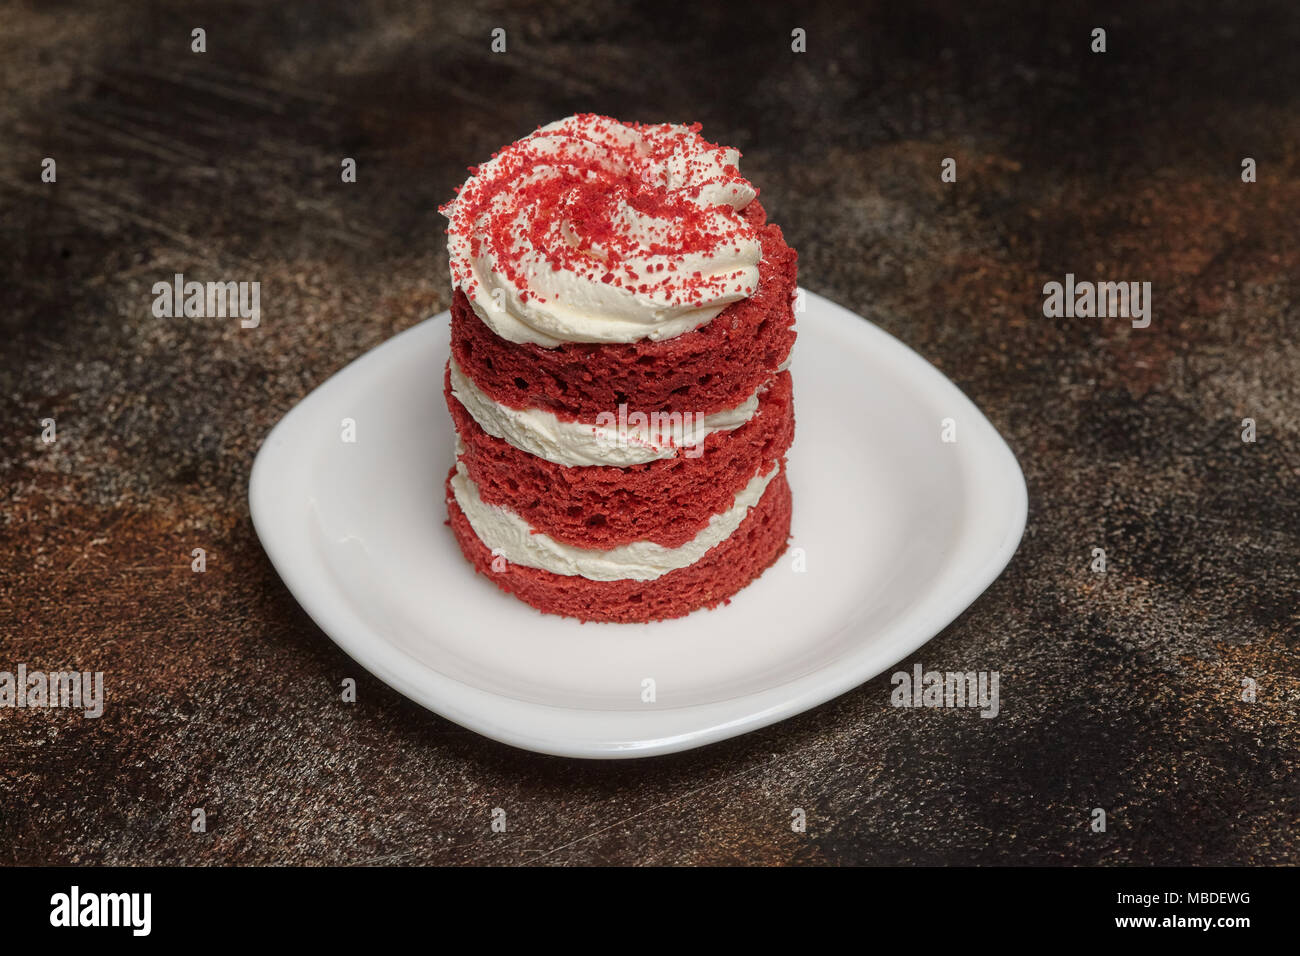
column 899, row 532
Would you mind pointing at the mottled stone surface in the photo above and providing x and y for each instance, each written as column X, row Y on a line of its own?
column 1120, row 691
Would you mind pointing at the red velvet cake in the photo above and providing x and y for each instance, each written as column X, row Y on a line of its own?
column 622, row 315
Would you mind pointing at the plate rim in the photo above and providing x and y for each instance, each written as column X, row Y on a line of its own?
column 512, row 721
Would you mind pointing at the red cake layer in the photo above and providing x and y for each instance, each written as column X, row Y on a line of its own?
column 712, row 368
column 667, row 501
column 724, row 570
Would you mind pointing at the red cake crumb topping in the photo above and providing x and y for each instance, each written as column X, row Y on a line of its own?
column 568, row 194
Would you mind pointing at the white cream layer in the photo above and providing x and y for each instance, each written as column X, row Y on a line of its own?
column 574, row 444
column 509, row 535
column 582, row 304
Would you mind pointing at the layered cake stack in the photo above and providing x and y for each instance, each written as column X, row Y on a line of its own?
column 622, row 316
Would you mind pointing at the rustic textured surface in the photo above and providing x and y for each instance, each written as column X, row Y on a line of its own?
column 1119, row 691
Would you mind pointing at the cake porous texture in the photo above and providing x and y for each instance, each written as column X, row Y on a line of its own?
column 622, row 318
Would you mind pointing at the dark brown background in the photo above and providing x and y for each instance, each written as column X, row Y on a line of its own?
column 1119, row 691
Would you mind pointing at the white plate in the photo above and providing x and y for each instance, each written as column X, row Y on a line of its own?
column 900, row 532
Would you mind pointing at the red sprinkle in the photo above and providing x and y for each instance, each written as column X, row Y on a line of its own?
column 565, row 194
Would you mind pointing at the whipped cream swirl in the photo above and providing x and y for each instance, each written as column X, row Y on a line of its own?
column 592, row 230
